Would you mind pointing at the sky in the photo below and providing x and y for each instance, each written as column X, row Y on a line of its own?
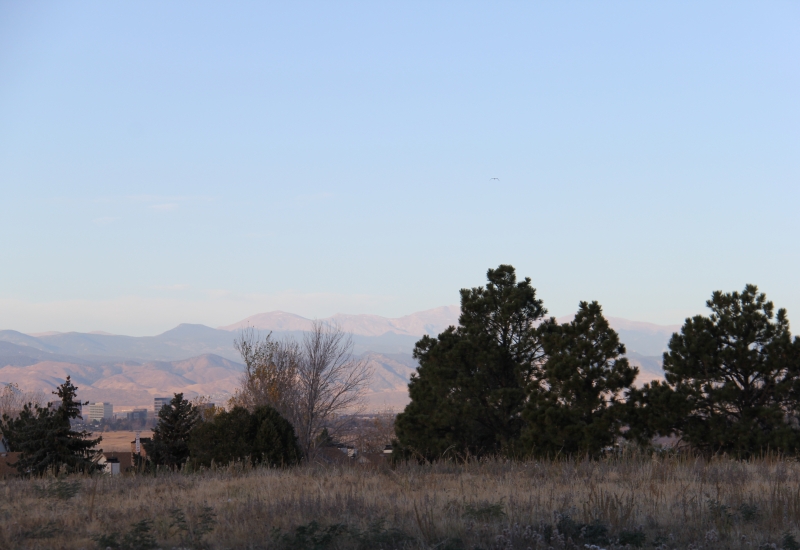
column 200, row 162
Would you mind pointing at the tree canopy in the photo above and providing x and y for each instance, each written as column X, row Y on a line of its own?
column 470, row 388
column 262, row 437
column 312, row 382
column 45, row 438
column 505, row 381
column 576, row 406
column 169, row 445
column 732, row 380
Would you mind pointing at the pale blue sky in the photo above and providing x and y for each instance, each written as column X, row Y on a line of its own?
column 166, row 162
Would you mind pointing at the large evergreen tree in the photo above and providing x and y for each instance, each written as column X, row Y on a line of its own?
column 169, row 445
column 732, row 380
column 45, row 438
column 263, row 437
column 575, row 407
column 470, row 388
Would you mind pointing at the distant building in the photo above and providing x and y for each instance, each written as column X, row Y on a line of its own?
column 100, row 411
column 109, row 465
column 115, row 462
column 137, row 415
column 161, row 402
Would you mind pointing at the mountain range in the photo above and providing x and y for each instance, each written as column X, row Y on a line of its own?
column 432, row 321
column 199, row 360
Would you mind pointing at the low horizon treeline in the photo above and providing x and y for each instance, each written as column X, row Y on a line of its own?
column 510, row 381
column 293, row 400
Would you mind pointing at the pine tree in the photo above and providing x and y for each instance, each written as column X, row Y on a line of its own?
column 275, row 442
column 468, row 393
column 169, row 445
column 575, row 406
column 45, row 438
column 732, row 380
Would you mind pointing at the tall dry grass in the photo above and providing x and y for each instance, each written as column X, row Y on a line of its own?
column 660, row 502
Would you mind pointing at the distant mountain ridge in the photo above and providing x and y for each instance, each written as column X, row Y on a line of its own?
column 639, row 337
column 128, row 370
column 432, row 321
column 128, row 383
column 179, row 343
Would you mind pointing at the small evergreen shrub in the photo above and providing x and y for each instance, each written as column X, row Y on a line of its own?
column 589, row 533
column 486, row 511
column 262, row 437
column 315, row 536
column 789, row 542
column 138, row 537
column 633, row 538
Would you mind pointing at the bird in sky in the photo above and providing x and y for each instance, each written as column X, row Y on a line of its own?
column 490, row 179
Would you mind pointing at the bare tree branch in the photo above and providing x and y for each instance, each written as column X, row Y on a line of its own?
column 331, row 380
column 12, row 399
column 270, row 373
column 311, row 383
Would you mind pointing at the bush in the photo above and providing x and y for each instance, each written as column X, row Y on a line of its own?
column 263, row 437
column 592, row 533
column 633, row 538
column 138, row 537
column 315, row 536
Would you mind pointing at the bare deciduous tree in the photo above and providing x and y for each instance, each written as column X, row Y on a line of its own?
column 12, row 399
column 270, row 373
column 208, row 409
column 331, row 381
column 311, row 383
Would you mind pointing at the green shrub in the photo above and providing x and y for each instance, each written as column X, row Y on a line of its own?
column 47, row 530
column 749, row 512
column 634, row 538
column 789, row 542
column 263, row 437
column 59, row 488
column 315, row 536
column 486, row 511
column 191, row 533
column 590, row 533
column 138, row 537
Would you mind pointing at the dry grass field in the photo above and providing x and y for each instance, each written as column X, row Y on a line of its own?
column 120, row 440
column 615, row 503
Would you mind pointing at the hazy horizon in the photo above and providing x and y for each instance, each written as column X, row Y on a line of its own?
column 243, row 323
column 197, row 162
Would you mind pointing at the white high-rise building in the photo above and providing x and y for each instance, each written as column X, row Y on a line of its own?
column 160, row 402
column 100, row 411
